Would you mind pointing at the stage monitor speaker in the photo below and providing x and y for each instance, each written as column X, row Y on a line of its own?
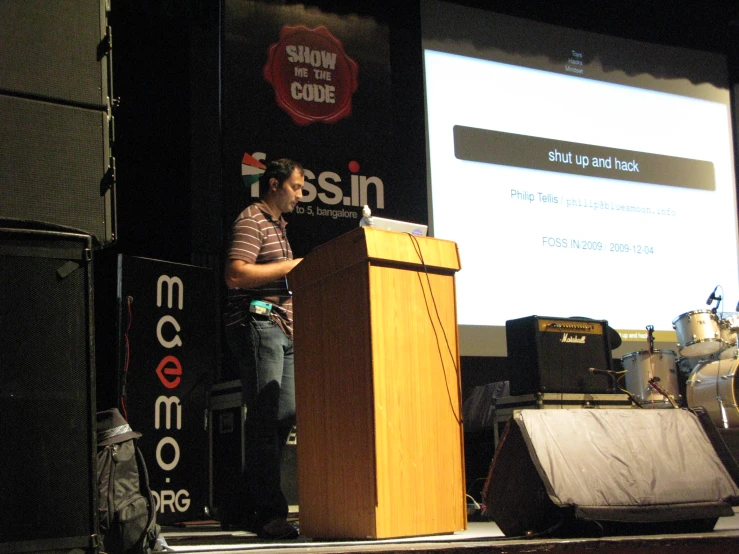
column 555, row 355
column 606, row 472
column 47, row 406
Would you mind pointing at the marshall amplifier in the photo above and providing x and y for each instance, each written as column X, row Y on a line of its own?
column 548, row 354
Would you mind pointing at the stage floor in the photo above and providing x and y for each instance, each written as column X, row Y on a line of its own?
column 480, row 537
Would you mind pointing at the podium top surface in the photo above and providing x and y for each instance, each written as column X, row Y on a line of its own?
column 379, row 247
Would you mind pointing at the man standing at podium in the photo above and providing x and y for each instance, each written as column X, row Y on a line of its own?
column 259, row 331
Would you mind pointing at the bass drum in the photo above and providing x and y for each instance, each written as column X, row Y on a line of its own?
column 641, row 367
column 713, row 386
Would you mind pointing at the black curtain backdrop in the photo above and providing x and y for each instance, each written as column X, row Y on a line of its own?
column 177, row 165
column 169, row 123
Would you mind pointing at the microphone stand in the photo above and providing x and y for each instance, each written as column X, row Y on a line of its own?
column 712, row 297
column 655, row 386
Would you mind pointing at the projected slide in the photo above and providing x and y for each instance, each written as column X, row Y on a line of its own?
column 570, row 190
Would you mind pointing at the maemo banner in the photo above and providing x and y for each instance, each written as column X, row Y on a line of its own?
column 167, row 341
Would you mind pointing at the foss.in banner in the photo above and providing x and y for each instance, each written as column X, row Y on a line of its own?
column 315, row 87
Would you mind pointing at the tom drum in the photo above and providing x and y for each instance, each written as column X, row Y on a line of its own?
column 697, row 333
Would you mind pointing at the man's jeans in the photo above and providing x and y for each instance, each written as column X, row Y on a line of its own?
column 267, row 374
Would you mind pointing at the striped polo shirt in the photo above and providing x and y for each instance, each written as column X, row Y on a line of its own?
column 257, row 238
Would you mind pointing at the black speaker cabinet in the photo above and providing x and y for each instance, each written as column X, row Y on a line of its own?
column 548, row 354
column 56, row 51
column 227, row 417
column 47, row 404
column 56, row 163
column 53, row 165
column 227, row 414
column 607, row 472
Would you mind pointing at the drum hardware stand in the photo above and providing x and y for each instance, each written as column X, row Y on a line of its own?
column 722, row 406
column 655, row 386
column 650, row 348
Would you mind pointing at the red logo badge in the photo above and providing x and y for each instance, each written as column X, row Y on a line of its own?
column 169, row 366
column 312, row 76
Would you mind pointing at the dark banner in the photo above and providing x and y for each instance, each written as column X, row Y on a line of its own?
column 313, row 86
column 168, row 330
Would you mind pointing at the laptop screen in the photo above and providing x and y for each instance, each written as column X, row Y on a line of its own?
column 399, row 226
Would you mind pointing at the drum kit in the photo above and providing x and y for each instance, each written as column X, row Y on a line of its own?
column 709, row 357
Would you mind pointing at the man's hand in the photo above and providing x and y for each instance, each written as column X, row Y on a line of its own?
column 243, row 275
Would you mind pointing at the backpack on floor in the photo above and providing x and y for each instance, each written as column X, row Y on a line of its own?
column 125, row 502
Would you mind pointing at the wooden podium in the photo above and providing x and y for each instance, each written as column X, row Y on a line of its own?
column 380, row 439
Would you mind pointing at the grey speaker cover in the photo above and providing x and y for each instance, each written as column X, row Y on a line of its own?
column 628, row 468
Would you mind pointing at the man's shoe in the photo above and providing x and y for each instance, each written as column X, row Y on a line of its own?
column 236, row 520
column 278, row 529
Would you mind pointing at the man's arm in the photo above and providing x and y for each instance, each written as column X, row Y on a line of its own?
column 248, row 276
